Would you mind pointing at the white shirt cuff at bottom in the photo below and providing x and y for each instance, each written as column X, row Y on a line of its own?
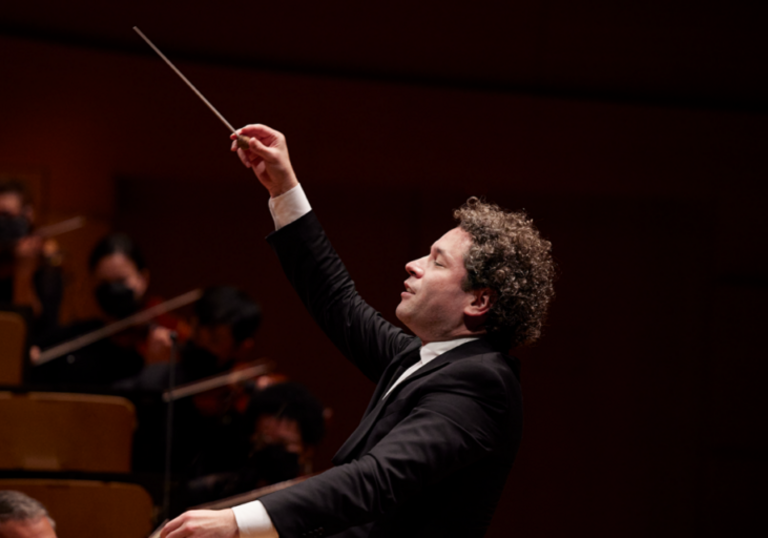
column 289, row 206
column 253, row 521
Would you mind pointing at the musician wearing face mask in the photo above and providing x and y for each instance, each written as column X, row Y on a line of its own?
column 120, row 279
column 30, row 272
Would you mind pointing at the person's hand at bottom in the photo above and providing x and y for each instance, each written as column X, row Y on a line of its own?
column 202, row 524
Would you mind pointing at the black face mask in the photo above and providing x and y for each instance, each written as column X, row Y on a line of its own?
column 12, row 228
column 116, row 299
column 273, row 463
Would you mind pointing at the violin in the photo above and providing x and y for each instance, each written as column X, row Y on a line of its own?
column 125, row 330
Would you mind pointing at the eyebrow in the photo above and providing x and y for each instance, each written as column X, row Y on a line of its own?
column 441, row 252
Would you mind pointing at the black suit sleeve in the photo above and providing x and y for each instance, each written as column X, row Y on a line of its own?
column 326, row 289
column 460, row 419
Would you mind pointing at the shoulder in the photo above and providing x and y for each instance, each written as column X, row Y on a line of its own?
column 483, row 377
column 490, row 371
column 480, row 392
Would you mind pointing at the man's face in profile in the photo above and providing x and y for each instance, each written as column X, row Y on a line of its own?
column 27, row 528
column 433, row 302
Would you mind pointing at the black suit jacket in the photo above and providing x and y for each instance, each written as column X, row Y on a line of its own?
column 431, row 458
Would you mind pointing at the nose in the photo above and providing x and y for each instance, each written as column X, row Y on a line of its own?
column 414, row 268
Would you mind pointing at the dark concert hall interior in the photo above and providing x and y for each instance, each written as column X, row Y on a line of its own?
column 634, row 134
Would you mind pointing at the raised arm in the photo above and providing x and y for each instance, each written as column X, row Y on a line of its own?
column 323, row 284
column 311, row 264
column 320, row 279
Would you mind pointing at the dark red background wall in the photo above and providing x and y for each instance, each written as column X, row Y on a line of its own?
column 645, row 407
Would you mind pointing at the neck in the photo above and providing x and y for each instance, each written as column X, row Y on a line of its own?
column 455, row 335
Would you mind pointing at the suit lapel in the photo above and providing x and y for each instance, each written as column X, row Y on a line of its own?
column 394, row 369
column 393, row 372
column 476, row 347
column 407, row 361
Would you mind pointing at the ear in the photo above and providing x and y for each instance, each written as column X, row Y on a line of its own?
column 482, row 301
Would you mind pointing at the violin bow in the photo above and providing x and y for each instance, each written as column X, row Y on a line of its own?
column 253, row 369
column 136, row 319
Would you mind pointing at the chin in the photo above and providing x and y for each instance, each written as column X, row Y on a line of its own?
column 402, row 313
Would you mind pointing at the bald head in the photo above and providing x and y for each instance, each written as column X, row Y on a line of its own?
column 22, row 516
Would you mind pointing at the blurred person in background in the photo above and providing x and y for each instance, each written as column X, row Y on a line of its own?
column 223, row 328
column 30, row 266
column 279, row 432
column 22, row 516
column 120, row 280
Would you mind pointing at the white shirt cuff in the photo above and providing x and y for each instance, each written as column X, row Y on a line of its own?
column 289, row 206
column 253, row 521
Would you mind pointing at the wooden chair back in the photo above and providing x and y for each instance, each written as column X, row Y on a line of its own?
column 90, row 509
column 42, row 431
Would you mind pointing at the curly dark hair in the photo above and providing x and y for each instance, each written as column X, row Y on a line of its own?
column 509, row 256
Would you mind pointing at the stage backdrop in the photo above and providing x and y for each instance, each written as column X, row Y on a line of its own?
column 645, row 410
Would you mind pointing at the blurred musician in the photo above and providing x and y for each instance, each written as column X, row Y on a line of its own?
column 120, row 280
column 30, row 272
column 279, row 433
column 222, row 333
column 224, row 325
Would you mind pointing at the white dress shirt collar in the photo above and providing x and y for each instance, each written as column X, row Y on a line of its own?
column 427, row 353
column 435, row 349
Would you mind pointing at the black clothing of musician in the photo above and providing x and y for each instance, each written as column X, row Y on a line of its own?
column 98, row 365
column 30, row 268
column 223, row 327
column 282, row 426
column 120, row 278
column 48, row 283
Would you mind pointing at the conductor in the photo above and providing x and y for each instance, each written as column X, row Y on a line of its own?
column 434, row 448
